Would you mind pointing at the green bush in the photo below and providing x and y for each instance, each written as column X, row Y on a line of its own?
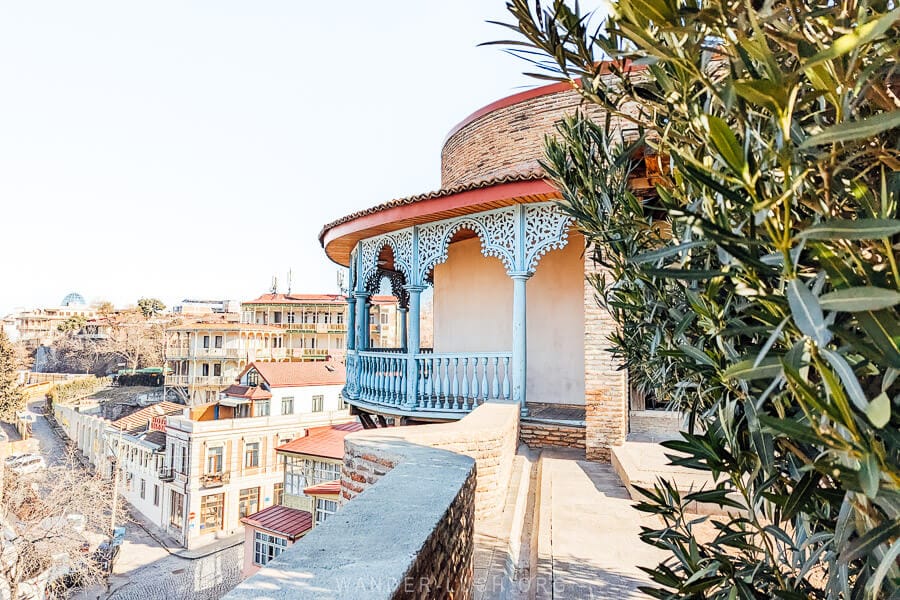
column 77, row 388
column 142, row 379
column 756, row 286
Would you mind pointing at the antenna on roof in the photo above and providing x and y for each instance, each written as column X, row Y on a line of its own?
column 290, row 281
column 274, row 284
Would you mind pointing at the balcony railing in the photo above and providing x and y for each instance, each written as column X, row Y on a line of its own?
column 185, row 380
column 445, row 382
column 166, row 474
column 214, row 480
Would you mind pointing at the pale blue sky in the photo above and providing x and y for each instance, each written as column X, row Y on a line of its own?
column 195, row 149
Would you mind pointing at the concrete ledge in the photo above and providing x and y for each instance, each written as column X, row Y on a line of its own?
column 372, row 547
column 642, row 463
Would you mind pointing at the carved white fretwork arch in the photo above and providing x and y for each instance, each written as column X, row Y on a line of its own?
column 400, row 242
column 518, row 235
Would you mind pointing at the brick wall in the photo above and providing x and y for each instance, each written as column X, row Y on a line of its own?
column 605, row 387
column 542, row 435
column 489, row 435
column 411, row 534
column 506, row 140
column 444, row 567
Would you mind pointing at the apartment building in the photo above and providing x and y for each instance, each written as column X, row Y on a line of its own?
column 220, row 457
column 207, row 356
column 316, row 324
column 38, row 326
column 311, row 490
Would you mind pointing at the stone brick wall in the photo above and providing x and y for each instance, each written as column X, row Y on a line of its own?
column 605, row 386
column 411, row 534
column 542, row 435
column 444, row 566
column 489, row 435
column 506, row 140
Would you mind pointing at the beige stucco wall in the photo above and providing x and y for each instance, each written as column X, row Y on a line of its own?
column 473, row 313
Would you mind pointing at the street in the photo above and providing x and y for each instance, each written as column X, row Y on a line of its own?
column 145, row 569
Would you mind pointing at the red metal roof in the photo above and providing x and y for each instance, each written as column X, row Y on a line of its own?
column 327, row 442
column 251, row 393
column 140, row 420
column 328, row 488
column 300, row 374
column 290, row 522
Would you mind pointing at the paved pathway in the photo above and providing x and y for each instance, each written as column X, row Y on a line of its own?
column 588, row 545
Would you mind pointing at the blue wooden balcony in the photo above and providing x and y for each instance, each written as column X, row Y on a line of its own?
column 442, row 386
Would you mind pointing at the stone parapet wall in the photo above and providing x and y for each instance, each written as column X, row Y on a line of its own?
column 605, row 384
column 411, row 536
column 541, row 435
column 489, row 435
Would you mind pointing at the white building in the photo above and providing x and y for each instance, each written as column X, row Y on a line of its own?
column 220, row 457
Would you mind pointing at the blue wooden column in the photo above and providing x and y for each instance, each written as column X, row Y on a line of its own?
column 351, row 323
column 413, row 342
column 519, row 338
column 362, row 320
column 401, row 312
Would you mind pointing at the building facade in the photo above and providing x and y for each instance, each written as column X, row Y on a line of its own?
column 514, row 312
column 39, row 326
column 220, row 457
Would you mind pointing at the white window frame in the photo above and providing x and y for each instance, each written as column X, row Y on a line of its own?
column 267, row 547
column 318, row 403
column 324, row 509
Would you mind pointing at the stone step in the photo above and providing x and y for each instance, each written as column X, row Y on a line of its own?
column 642, row 463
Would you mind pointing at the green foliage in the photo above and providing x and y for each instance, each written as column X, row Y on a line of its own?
column 12, row 399
column 72, row 325
column 150, row 307
column 77, row 388
column 756, row 284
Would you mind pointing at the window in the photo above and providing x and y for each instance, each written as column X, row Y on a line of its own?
column 384, row 318
column 278, row 495
column 253, row 378
column 261, row 408
column 324, row 508
column 241, row 411
column 217, row 370
column 143, row 489
column 214, row 460
column 248, row 502
column 290, row 317
column 176, row 509
column 294, row 476
column 323, row 471
column 276, row 316
column 205, row 370
column 342, row 404
column 278, row 342
column 287, row 405
column 155, row 495
column 266, row 547
column 183, row 461
column 340, row 318
column 251, row 455
column 211, row 512
column 206, row 341
column 318, row 403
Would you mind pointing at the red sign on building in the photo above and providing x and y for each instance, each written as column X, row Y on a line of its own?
column 158, row 424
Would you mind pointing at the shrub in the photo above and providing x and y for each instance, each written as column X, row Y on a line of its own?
column 756, row 285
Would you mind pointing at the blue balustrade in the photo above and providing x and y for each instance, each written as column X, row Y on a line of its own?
column 445, row 382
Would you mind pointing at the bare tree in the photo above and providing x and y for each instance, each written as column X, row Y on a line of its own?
column 51, row 521
column 135, row 339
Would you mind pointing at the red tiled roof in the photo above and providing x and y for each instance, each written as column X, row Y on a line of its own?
column 249, row 392
column 328, row 488
column 327, row 442
column 510, row 177
column 287, row 521
column 298, row 299
column 139, row 420
column 300, row 374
